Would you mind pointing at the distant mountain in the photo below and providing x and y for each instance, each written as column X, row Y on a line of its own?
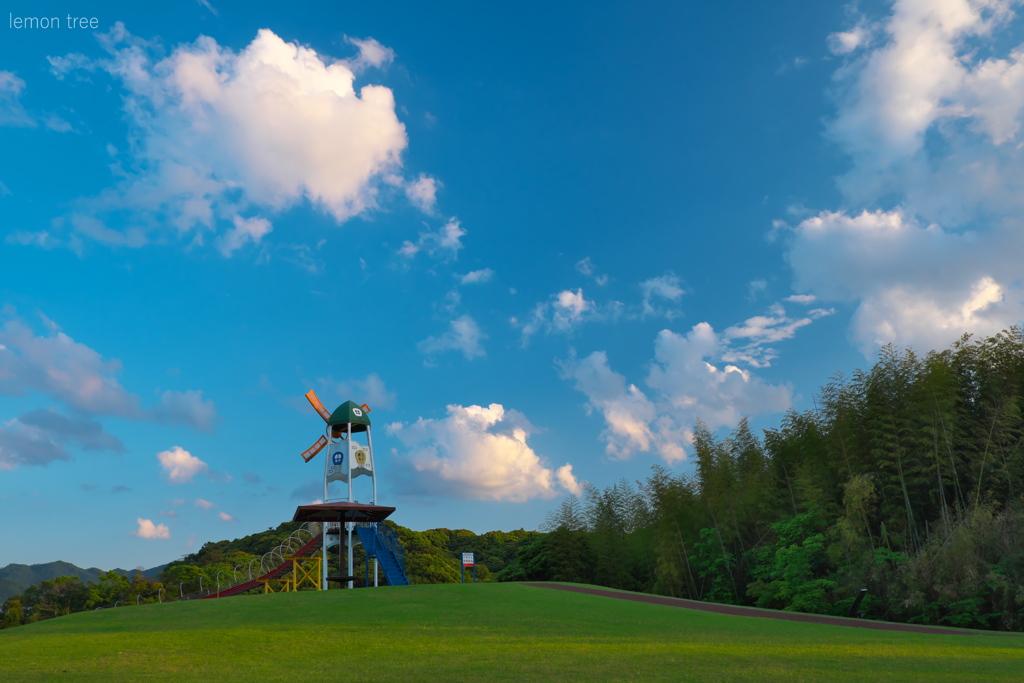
column 15, row 578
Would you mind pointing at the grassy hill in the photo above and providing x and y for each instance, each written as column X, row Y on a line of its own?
column 493, row 632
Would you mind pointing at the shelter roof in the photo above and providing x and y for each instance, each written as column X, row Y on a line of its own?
column 341, row 512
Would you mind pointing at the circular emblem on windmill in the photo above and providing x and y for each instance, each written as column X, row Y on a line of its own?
column 336, row 459
column 361, row 456
column 357, row 412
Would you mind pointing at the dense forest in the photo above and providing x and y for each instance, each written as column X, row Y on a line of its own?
column 900, row 496
column 906, row 480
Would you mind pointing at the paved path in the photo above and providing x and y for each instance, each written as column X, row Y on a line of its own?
column 765, row 613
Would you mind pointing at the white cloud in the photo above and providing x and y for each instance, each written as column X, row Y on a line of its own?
column 845, row 42
column 627, row 412
column 476, row 277
column 204, row 504
column 926, row 118
column 371, row 54
column 912, row 284
column 147, row 529
column 479, row 453
column 929, row 106
column 463, row 335
column 220, row 134
column 801, row 298
column 718, row 394
column 207, row 5
column 12, row 113
column 422, row 192
column 760, row 330
column 244, row 230
column 180, row 466
column 562, row 314
column 444, row 244
column 225, row 517
column 664, row 287
column 586, row 267
column 689, row 378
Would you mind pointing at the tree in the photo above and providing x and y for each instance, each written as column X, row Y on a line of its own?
column 12, row 613
column 791, row 573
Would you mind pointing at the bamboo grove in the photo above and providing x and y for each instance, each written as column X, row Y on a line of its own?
column 906, row 480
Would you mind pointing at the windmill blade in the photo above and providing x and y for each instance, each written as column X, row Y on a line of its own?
column 311, row 452
column 318, row 406
column 365, row 408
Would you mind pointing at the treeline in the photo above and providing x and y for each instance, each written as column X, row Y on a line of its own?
column 905, row 480
column 432, row 556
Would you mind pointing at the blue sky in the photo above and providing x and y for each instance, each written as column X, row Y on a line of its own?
column 538, row 242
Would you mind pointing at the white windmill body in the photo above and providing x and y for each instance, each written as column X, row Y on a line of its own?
column 349, row 446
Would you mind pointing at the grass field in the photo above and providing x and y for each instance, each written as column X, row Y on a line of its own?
column 484, row 632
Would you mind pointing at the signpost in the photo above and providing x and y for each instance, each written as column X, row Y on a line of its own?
column 467, row 561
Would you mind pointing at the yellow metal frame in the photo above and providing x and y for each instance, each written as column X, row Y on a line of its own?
column 306, row 572
column 268, row 588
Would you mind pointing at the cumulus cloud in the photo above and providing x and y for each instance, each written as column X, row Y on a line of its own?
column 180, row 466
column 689, row 378
column 463, row 335
column 220, row 135
column 444, row 244
column 912, row 283
column 924, row 118
column 204, row 504
column 626, row 410
column 147, row 529
column 929, row 105
column 479, row 453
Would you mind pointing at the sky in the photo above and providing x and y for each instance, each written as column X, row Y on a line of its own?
column 538, row 241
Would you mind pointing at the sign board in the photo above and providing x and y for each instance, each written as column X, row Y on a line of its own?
column 467, row 560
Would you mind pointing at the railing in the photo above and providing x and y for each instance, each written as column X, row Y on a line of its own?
column 273, row 558
column 389, row 539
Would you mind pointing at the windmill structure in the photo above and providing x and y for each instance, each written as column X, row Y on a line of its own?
column 349, row 445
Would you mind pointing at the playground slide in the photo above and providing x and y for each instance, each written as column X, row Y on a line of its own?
column 275, row 573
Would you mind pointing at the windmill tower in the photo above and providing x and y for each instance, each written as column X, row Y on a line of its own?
column 349, row 447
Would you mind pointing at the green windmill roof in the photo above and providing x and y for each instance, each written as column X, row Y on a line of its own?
column 349, row 412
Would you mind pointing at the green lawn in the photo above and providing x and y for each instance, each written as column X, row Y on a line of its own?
column 483, row 632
